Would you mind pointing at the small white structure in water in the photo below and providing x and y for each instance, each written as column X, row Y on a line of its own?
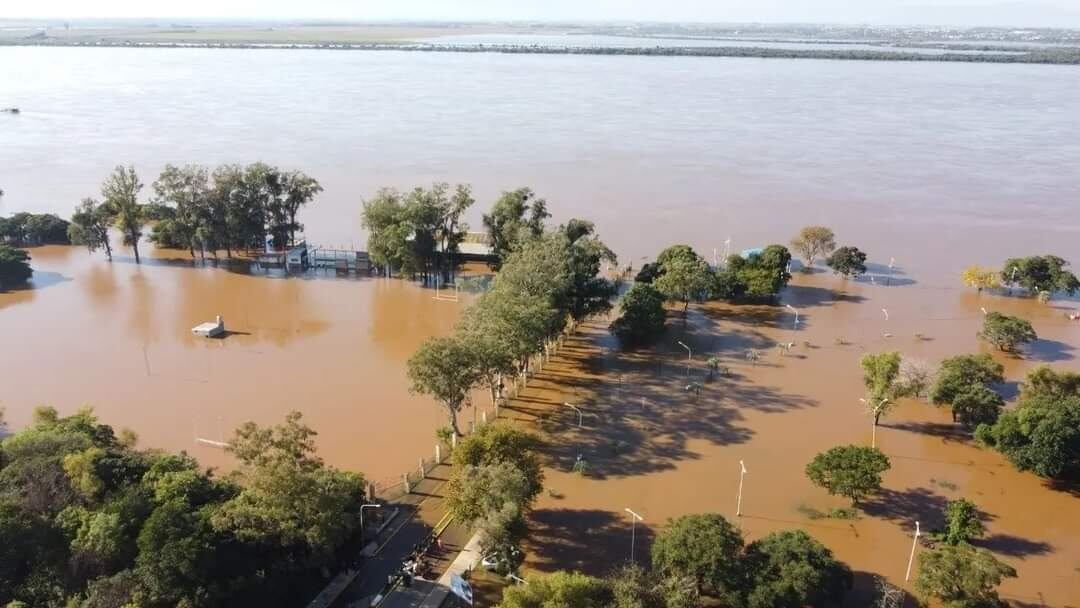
column 210, row 330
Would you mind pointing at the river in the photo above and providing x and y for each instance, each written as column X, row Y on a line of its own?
column 931, row 166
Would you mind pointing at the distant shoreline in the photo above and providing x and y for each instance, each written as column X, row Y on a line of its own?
column 1051, row 56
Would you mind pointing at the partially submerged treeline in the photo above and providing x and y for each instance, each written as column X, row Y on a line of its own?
column 549, row 278
column 418, row 233
column 230, row 208
column 88, row 520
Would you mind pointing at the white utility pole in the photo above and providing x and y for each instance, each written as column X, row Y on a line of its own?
column 742, row 474
column 633, row 529
column 914, row 542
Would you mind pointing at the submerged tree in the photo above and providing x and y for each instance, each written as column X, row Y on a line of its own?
column 90, row 226
column 981, row 278
column 516, row 215
column 706, row 548
column 1006, row 332
column 642, row 316
column 14, row 267
column 1041, row 434
column 685, row 276
column 790, row 569
column 851, row 471
column 847, row 261
column 881, row 374
column 962, row 522
column 121, row 192
column 1040, row 274
column 812, row 242
column 964, row 374
column 961, row 576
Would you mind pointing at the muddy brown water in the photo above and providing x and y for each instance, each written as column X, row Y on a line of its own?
column 653, row 447
column 932, row 167
column 117, row 336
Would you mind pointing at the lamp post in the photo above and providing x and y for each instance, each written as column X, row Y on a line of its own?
column 633, row 529
column 874, row 409
column 576, row 409
column 689, row 356
column 886, row 311
column 366, row 506
column 911, row 558
column 794, row 310
column 742, row 474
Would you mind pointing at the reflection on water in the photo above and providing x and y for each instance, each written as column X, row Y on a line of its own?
column 118, row 337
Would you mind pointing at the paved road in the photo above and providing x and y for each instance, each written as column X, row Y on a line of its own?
column 422, row 510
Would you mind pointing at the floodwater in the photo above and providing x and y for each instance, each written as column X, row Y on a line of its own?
column 929, row 166
column 117, row 336
column 651, row 446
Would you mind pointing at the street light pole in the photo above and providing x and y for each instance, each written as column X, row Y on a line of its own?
column 689, row 356
column 366, row 506
column 742, row 474
column 874, row 409
column 633, row 529
column 576, row 409
column 794, row 310
column 911, row 558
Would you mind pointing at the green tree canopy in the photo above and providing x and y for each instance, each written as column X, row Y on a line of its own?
column 642, row 316
column 977, row 405
column 852, row 471
column 961, row 576
column 516, row 216
column 1006, row 332
column 812, row 242
column 34, row 229
column 14, row 267
column 1040, row 273
column 289, row 497
column 1042, row 434
column 881, row 376
column 962, row 372
column 962, row 522
column 90, row 226
column 497, row 443
column 121, row 194
column 847, row 261
column 557, row 590
column 685, row 276
column 758, row 276
column 790, row 569
column 444, row 369
column 704, row 547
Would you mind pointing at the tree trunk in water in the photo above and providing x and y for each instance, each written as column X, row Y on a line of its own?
column 453, row 421
column 135, row 248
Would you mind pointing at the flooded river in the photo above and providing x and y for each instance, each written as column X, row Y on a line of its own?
column 931, row 166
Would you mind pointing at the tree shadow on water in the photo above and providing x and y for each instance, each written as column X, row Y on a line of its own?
column 1013, row 546
column 907, row 506
column 1050, row 351
column 587, row 540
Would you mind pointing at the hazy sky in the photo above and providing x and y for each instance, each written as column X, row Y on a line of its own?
column 1064, row 13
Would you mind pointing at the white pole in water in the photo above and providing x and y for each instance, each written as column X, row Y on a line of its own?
column 794, row 310
column 914, row 542
column 689, row 357
column 886, row 313
column 742, row 474
column 576, row 409
column 633, row 529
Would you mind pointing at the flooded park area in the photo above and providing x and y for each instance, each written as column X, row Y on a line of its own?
column 654, row 447
column 117, row 336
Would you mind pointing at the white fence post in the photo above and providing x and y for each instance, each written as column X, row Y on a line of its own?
column 438, row 454
column 405, row 482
